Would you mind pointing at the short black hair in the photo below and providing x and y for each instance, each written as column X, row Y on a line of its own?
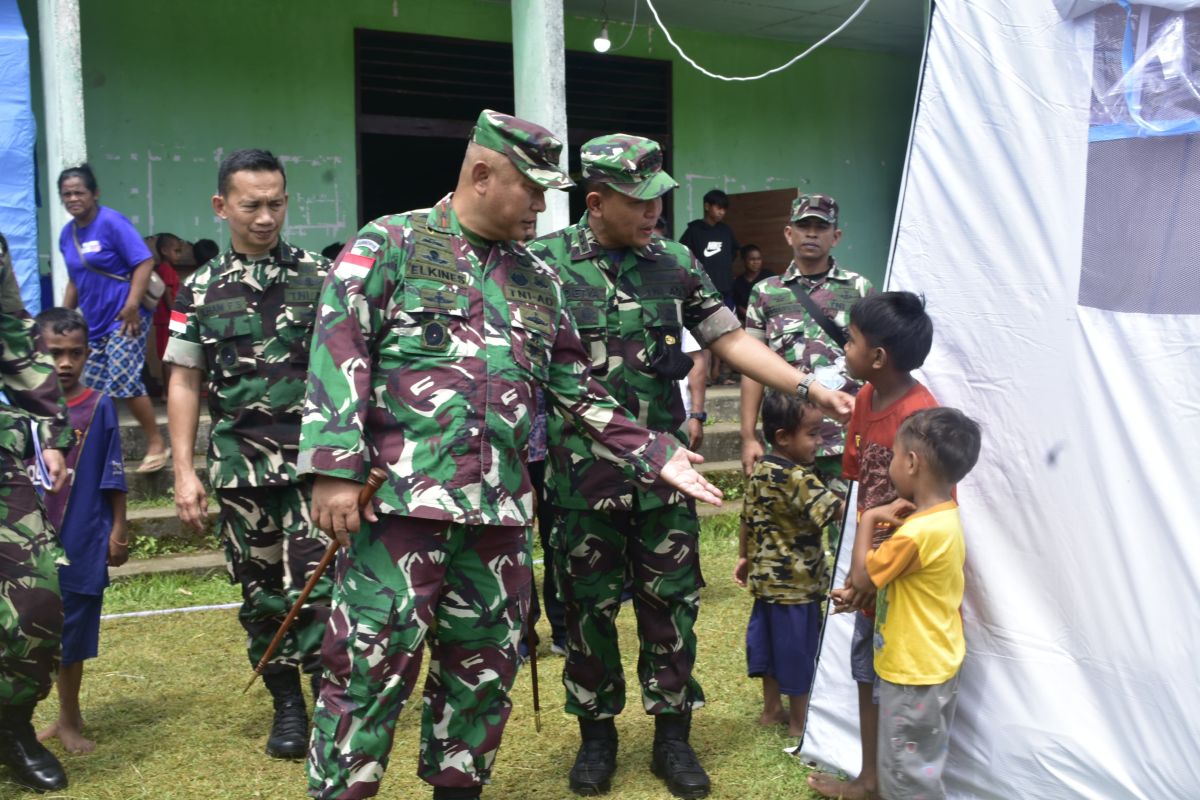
column 161, row 239
column 782, row 412
column 946, row 437
column 61, row 321
column 84, row 172
column 749, row 248
column 251, row 159
column 204, row 250
column 897, row 322
column 715, row 197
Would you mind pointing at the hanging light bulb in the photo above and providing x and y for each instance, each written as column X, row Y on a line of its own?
column 601, row 42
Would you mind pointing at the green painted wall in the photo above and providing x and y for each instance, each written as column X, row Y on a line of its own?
column 172, row 86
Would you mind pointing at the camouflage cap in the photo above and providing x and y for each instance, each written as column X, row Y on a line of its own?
column 630, row 164
column 531, row 148
column 821, row 206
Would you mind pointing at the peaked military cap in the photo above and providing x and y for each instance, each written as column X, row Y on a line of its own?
column 531, row 148
column 820, row 206
column 630, row 164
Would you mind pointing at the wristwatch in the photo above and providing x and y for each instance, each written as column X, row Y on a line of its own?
column 698, row 415
column 803, row 386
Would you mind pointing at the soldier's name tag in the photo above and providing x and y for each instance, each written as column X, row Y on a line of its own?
column 437, row 271
column 832, row 376
column 219, row 308
column 783, row 308
column 658, row 291
column 585, row 293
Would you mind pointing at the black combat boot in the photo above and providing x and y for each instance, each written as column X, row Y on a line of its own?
column 674, row 759
column 289, row 731
column 596, row 760
column 32, row 765
column 457, row 792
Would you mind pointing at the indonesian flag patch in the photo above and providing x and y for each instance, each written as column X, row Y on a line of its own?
column 178, row 322
column 354, row 265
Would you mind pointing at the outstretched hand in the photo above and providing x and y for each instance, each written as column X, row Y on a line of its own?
column 678, row 472
column 835, row 404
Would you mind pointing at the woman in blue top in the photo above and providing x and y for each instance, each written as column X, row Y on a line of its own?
column 109, row 267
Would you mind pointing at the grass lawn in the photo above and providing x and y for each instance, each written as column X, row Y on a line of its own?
column 164, row 704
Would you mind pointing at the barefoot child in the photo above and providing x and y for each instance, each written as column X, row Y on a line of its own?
column 782, row 557
column 918, row 573
column 889, row 336
column 89, row 515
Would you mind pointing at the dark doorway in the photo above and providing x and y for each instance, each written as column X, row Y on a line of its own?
column 418, row 96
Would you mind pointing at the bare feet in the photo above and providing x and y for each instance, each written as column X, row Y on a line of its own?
column 795, row 730
column 70, row 735
column 827, row 785
column 769, row 719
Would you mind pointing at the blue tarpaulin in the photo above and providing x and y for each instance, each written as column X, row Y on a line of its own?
column 18, row 136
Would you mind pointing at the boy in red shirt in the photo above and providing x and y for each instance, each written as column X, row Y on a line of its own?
column 889, row 336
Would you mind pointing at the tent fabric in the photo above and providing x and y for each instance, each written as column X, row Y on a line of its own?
column 1070, row 9
column 1083, row 571
column 18, row 137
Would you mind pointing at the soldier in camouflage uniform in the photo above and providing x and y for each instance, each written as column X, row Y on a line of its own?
column 31, row 614
column 631, row 294
column 435, row 328
column 244, row 323
column 777, row 316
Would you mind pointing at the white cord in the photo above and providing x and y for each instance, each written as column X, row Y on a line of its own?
column 780, row 68
column 632, row 26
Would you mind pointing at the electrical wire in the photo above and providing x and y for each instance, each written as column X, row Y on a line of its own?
column 688, row 59
column 632, row 26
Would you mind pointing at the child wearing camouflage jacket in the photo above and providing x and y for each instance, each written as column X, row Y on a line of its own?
column 781, row 555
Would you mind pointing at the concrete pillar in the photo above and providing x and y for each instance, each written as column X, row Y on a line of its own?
column 540, row 85
column 66, row 141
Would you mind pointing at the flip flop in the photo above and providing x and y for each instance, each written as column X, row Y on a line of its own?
column 153, row 463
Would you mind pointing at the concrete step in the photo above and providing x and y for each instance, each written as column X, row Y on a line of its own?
column 722, row 442
column 189, row 562
column 723, row 403
column 161, row 484
column 133, row 438
column 159, row 522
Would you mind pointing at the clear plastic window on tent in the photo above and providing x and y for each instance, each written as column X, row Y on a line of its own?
column 1146, row 73
column 1141, row 233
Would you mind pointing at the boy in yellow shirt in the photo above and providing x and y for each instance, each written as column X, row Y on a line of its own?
column 918, row 573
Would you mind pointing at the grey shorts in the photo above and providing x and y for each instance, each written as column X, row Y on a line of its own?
column 914, row 737
column 862, row 649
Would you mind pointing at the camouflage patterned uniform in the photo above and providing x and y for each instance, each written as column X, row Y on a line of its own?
column 248, row 326
column 630, row 314
column 428, row 348
column 786, row 512
column 31, row 615
column 777, row 318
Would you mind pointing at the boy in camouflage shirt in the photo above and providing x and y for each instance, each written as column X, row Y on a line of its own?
column 781, row 555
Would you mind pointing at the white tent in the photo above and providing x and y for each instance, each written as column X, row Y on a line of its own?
column 1051, row 215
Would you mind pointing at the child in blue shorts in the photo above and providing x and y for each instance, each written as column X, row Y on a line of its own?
column 781, row 555
column 89, row 515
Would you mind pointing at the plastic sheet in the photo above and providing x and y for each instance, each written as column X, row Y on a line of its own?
column 1146, row 79
column 1070, row 9
column 18, row 137
column 1083, row 564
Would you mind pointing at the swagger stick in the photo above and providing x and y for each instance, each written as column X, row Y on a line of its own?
column 375, row 479
column 531, row 643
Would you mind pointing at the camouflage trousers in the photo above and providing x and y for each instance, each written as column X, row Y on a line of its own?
column 402, row 579
column 657, row 549
column 271, row 547
column 31, row 612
